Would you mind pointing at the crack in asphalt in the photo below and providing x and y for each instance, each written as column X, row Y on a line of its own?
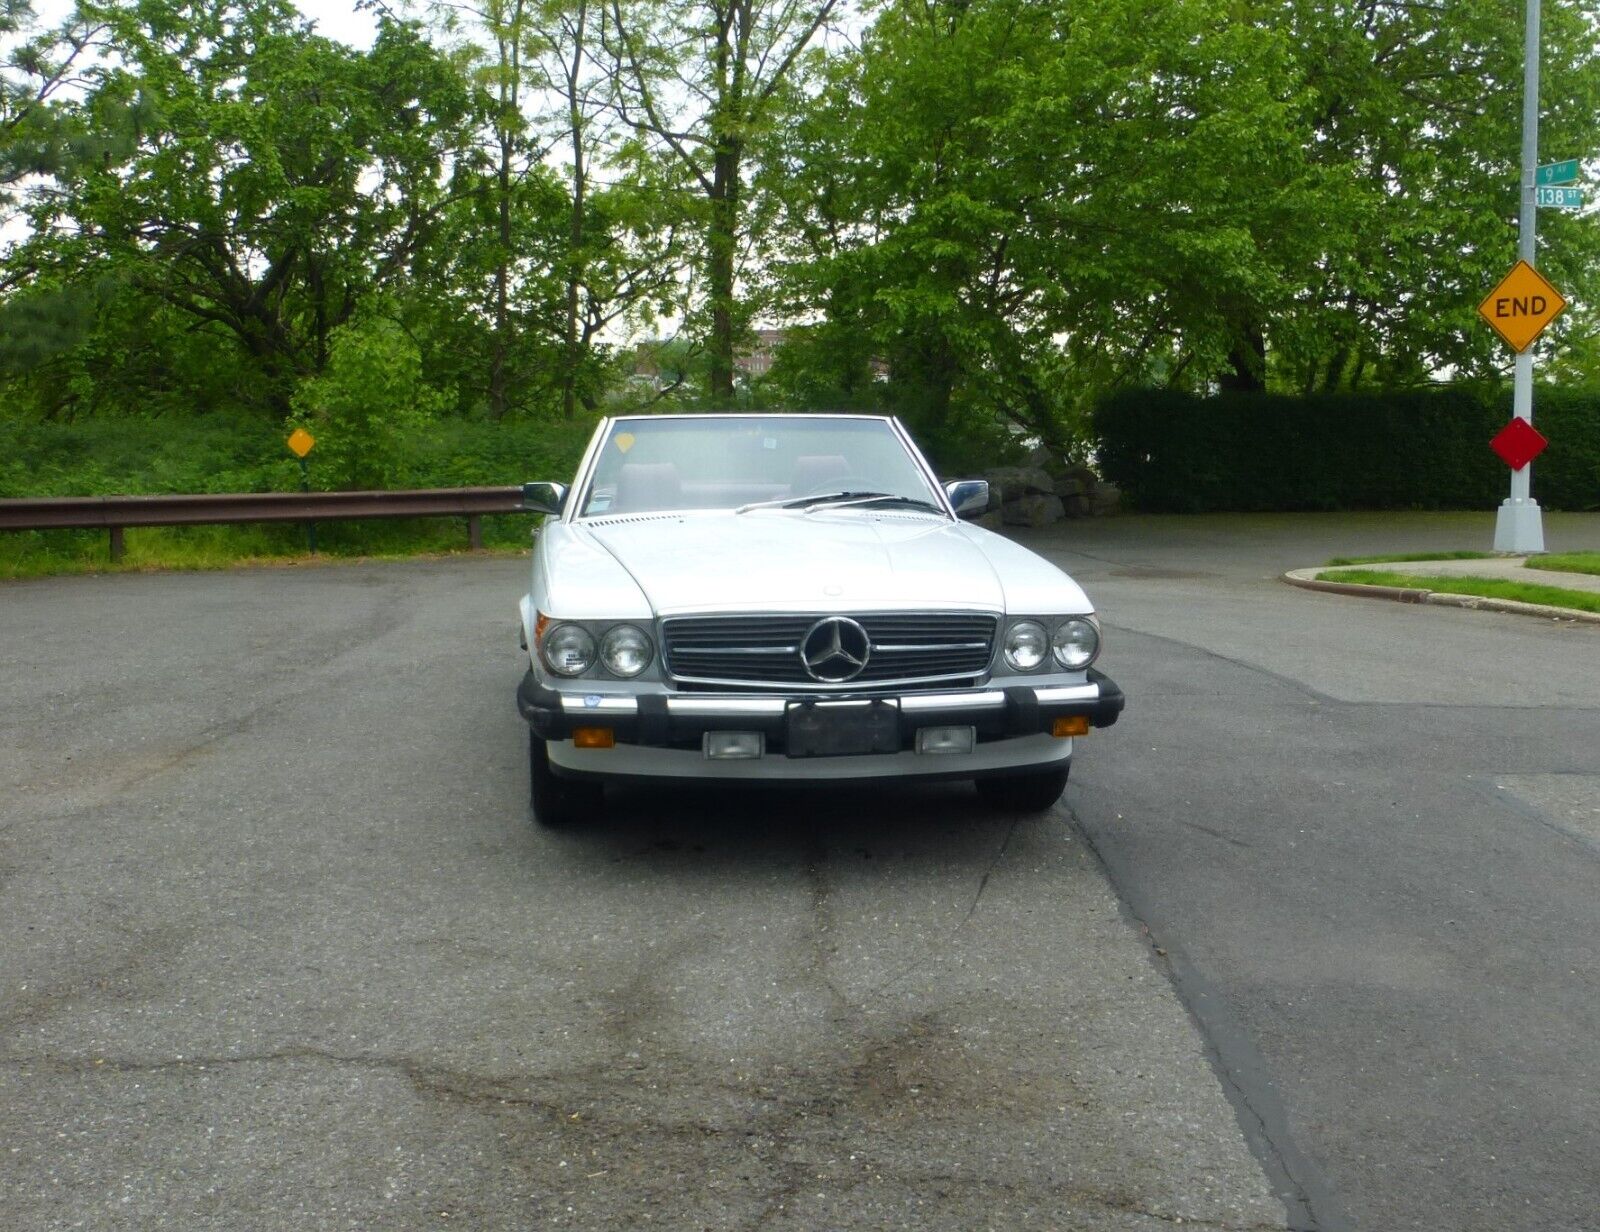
column 773, row 1142
column 977, row 897
column 983, row 882
column 822, row 923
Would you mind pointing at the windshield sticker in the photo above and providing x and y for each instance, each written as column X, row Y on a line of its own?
column 624, row 441
column 769, row 443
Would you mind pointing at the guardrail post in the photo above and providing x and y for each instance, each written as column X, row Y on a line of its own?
column 474, row 532
column 116, row 544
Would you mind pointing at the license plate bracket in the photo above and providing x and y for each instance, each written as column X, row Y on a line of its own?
column 842, row 729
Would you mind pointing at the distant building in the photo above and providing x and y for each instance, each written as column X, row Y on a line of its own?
column 755, row 358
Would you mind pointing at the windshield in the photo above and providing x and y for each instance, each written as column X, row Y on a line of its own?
column 753, row 461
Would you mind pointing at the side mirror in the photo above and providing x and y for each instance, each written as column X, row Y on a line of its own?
column 544, row 497
column 968, row 497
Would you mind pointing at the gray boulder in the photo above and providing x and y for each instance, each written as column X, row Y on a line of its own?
column 1014, row 482
column 1035, row 509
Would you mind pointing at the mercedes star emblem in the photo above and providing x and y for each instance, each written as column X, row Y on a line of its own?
column 835, row 649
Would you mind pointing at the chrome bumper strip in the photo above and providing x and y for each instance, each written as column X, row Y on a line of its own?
column 911, row 703
column 1068, row 693
column 702, row 706
column 993, row 699
column 598, row 703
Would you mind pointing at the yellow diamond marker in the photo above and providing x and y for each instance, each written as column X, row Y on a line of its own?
column 624, row 441
column 300, row 442
column 1521, row 306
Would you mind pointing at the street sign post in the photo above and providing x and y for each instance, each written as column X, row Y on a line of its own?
column 300, row 442
column 1559, row 198
column 1518, row 523
column 1564, row 172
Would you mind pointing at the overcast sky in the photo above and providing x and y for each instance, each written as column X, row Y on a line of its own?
column 336, row 19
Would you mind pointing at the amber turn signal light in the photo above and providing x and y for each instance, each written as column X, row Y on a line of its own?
column 593, row 737
column 1071, row 725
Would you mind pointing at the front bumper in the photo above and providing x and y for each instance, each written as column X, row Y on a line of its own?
column 680, row 721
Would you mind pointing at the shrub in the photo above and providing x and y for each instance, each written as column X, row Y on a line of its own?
column 1409, row 449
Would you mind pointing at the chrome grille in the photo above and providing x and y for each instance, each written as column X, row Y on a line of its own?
column 907, row 648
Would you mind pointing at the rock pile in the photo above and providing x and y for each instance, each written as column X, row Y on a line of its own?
column 1045, row 490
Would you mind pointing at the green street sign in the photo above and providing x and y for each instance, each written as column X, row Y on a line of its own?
column 1559, row 198
column 1557, row 173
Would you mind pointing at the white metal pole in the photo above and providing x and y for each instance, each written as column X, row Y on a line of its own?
column 1518, row 525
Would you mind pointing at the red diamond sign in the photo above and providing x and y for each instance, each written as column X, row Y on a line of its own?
column 1518, row 443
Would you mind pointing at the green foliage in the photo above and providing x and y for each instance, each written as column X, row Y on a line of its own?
column 271, row 182
column 219, row 453
column 987, row 213
column 1413, row 449
column 368, row 406
column 241, row 453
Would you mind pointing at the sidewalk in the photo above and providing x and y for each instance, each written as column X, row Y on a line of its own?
column 1499, row 568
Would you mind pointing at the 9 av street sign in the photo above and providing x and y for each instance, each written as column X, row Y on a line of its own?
column 1521, row 306
column 1557, row 173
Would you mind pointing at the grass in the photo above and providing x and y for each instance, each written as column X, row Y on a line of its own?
column 1390, row 557
column 28, row 554
column 230, row 453
column 1568, row 562
column 1489, row 588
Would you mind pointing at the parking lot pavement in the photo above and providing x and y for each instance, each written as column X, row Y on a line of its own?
column 1368, row 836
column 282, row 951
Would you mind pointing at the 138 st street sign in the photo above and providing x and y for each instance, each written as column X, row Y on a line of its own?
column 1521, row 306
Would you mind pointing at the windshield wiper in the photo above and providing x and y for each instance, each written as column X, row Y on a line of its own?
column 836, row 500
column 833, row 500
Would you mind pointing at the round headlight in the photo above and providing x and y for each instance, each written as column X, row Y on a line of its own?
column 568, row 650
column 1026, row 645
column 625, row 651
column 1076, row 643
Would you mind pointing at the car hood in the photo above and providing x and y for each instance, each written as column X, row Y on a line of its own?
column 846, row 560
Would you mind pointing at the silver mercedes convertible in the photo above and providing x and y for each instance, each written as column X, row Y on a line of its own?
column 792, row 599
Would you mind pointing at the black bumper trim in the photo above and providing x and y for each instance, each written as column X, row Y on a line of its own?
column 1024, row 714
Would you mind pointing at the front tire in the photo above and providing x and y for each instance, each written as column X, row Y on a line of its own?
column 558, row 802
column 1034, row 792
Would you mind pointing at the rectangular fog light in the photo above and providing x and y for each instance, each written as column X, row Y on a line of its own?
column 1070, row 725
column 946, row 739
column 733, row 745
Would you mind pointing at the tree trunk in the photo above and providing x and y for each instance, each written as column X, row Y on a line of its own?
column 1247, row 364
column 574, row 344
column 722, row 240
column 502, row 279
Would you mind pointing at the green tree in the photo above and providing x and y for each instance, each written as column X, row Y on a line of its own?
column 369, row 406
column 1021, row 201
column 704, row 80
column 276, row 179
column 1419, row 107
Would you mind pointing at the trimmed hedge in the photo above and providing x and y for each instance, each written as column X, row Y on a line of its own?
column 1413, row 449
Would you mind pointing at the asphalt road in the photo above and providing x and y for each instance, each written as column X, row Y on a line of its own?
column 1368, row 836
column 1311, row 943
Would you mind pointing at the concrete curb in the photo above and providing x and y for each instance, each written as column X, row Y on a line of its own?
column 1307, row 579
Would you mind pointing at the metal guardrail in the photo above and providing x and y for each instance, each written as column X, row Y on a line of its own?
column 114, row 513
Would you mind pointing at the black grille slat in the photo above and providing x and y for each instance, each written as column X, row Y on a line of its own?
column 759, row 650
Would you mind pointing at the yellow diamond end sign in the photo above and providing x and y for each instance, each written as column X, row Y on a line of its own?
column 300, row 442
column 1521, row 306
